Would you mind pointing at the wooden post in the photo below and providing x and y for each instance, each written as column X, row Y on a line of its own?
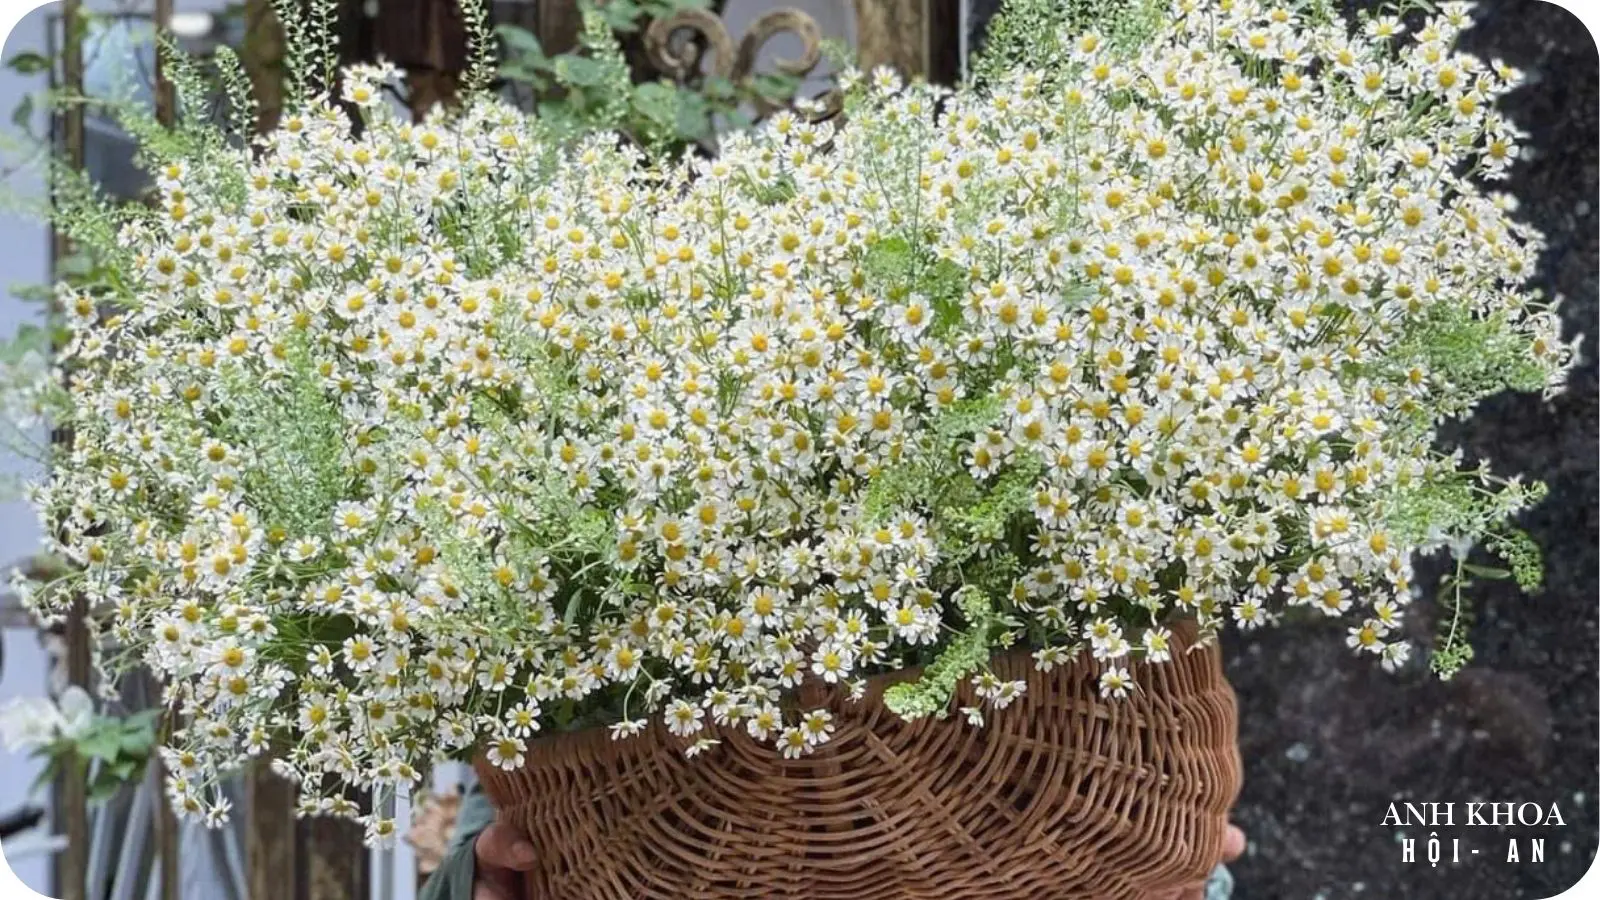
column 336, row 864
column 892, row 33
column 165, row 98
column 166, row 830
column 559, row 23
column 428, row 39
column 271, row 865
column 262, row 57
column 269, row 834
column 73, row 864
column 917, row 38
column 73, row 868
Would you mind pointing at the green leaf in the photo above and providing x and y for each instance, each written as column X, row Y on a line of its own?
column 655, row 99
column 103, row 788
column 77, row 265
column 660, row 9
column 693, row 121
column 525, row 74
column 554, row 110
column 522, row 41
column 137, row 743
column 778, row 88
column 717, row 87
column 28, row 63
column 33, row 293
column 564, row 713
column 144, row 719
column 23, row 112
column 580, row 71
column 967, row 652
column 1491, row 572
column 621, row 15
column 102, row 744
column 29, row 338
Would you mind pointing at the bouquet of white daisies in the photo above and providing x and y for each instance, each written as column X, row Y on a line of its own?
column 393, row 441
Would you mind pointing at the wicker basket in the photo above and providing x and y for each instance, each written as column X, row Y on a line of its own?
column 1062, row 795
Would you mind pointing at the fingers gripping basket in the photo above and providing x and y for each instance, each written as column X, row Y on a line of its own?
column 1061, row 795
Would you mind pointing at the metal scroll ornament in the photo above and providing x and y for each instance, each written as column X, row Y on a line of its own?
column 678, row 46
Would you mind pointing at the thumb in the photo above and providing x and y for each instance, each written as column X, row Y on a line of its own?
column 500, row 886
column 1233, row 844
column 504, row 846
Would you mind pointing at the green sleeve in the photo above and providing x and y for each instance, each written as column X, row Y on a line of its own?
column 453, row 879
column 1220, row 885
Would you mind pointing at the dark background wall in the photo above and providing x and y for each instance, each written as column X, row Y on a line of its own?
column 1330, row 740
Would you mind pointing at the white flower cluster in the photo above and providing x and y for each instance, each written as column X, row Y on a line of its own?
column 31, row 723
column 428, row 437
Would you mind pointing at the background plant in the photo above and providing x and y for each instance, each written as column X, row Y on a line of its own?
column 108, row 750
column 591, row 89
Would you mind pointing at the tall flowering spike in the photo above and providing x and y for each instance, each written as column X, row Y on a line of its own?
column 429, row 440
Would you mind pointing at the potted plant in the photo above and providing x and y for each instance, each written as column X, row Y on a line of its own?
column 852, row 514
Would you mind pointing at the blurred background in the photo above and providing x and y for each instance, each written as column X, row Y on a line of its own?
column 1328, row 740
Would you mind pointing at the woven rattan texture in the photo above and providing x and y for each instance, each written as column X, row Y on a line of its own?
column 1062, row 795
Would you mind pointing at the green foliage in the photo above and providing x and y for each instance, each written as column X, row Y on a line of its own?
column 323, row 37
column 1035, row 35
column 591, row 90
column 1522, row 554
column 481, row 60
column 965, row 512
column 236, row 87
column 1452, row 643
column 467, row 560
column 114, row 750
column 967, row 417
column 1449, row 504
column 551, row 372
column 295, row 435
column 28, row 63
column 596, row 82
column 296, row 50
column 966, row 653
column 933, row 477
column 896, row 488
column 626, row 16
column 1004, row 500
column 1452, row 649
column 91, row 220
column 1465, row 357
column 1463, row 509
column 194, row 93
column 902, row 271
column 194, row 137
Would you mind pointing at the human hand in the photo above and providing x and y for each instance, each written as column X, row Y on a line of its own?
column 1232, row 847
column 503, row 853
